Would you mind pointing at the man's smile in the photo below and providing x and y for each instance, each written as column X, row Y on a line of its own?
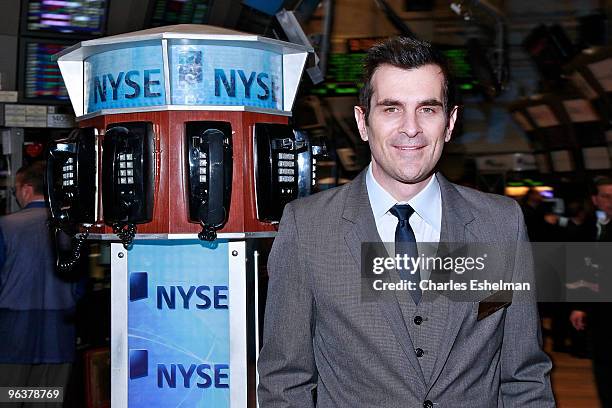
column 408, row 148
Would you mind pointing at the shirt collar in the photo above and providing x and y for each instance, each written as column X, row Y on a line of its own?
column 425, row 203
column 36, row 204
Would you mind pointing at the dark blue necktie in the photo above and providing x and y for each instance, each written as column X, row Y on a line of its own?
column 405, row 244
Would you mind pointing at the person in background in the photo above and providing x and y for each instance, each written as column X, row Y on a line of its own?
column 539, row 228
column 596, row 316
column 37, row 333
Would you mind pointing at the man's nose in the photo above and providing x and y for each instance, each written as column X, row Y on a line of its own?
column 410, row 124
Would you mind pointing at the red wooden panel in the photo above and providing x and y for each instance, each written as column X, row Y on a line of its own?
column 178, row 177
column 170, row 213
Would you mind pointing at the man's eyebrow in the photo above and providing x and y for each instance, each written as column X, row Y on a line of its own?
column 430, row 102
column 395, row 102
column 389, row 102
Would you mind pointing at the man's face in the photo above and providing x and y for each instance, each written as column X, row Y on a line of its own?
column 603, row 199
column 407, row 126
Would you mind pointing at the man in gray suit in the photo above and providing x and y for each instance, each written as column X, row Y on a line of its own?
column 326, row 346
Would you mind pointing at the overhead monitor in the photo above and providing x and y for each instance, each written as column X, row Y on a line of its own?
column 40, row 79
column 64, row 18
column 170, row 12
column 345, row 70
column 459, row 63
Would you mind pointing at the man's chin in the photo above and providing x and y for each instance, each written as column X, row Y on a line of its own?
column 414, row 178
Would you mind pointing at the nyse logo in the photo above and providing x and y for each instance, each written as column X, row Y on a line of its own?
column 193, row 375
column 147, row 83
column 171, row 297
column 166, row 297
column 177, row 375
column 139, row 363
column 139, row 286
column 250, row 85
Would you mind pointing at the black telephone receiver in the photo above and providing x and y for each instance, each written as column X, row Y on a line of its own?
column 209, row 160
column 127, row 176
column 285, row 168
column 71, row 179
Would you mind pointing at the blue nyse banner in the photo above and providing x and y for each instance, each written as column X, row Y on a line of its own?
column 125, row 78
column 225, row 75
column 178, row 325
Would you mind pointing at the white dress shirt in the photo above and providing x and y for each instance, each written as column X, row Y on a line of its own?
column 426, row 222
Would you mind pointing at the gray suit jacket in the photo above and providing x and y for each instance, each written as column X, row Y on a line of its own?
column 321, row 338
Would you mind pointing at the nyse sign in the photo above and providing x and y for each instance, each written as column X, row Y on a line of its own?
column 203, row 74
column 125, row 78
column 199, row 74
column 146, row 84
column 178, row 325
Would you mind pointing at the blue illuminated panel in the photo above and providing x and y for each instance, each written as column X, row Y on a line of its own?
column 222, row 75
column 178, row 331
column 125, row 78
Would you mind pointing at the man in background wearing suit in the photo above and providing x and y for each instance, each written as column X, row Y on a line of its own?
column 37, row 331
column 326, row 346
column 596, row 316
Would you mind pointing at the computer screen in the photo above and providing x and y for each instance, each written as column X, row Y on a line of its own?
column 345, row 70
column 41, row 79
column 170, row 12
column 65, row 18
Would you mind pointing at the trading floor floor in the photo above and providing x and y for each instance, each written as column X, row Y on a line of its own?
column 573, row 382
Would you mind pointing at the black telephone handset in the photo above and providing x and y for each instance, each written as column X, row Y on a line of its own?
column 209, row 160
column 285, row 168
column 128, row 177
column 70, row 188
column 71, row 179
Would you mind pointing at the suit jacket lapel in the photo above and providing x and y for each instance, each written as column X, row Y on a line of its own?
column 362, row 228
column 457, row 227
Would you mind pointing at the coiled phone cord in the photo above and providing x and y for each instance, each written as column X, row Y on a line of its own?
column 126, row 232
column 208, row 233
column 66, row 266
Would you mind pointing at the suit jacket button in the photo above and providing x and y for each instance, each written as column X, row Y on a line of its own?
column 419, row 352
column 428, row 404
column 418, row 320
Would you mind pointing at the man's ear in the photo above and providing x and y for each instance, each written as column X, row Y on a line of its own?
column 28, row 190
column 452, row 118
column 361, row 123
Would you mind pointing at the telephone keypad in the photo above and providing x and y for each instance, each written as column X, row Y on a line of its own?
column 202, row 163
column 68, row 178
column 286, row 170
column 126, row 168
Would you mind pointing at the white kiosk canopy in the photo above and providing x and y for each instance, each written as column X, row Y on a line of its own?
column 182, row 67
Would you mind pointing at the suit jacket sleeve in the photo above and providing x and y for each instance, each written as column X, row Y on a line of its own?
column 287, row 371
column 525, row 368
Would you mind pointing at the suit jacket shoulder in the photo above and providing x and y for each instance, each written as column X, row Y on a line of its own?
column 492, row 212
column 321, row 208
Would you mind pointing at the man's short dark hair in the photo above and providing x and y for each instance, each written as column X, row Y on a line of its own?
column 601, row 180
column 33, row 174
column 405, row 53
